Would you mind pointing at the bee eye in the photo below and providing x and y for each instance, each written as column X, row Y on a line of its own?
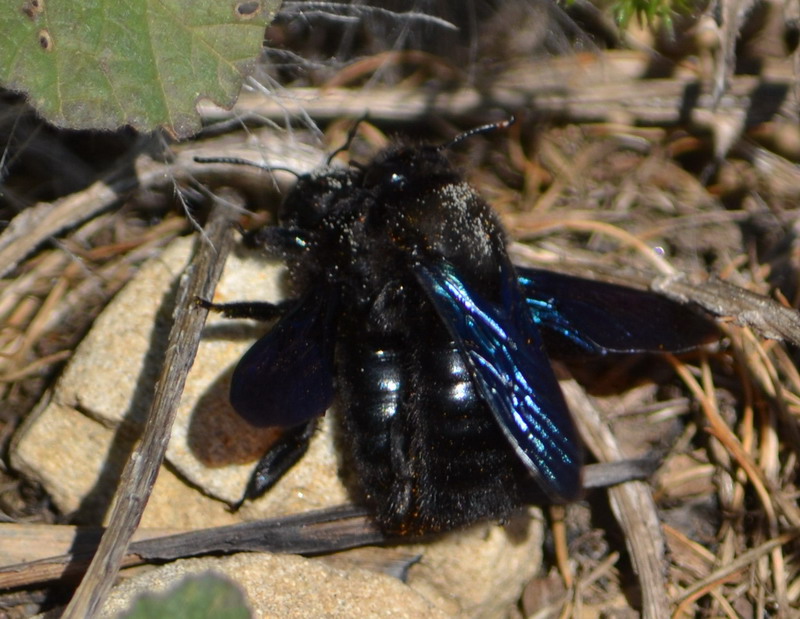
column 397, row 180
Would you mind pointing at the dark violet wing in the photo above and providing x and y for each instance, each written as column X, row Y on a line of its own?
column 602, row 317
column 286, row 378
column 503, row 350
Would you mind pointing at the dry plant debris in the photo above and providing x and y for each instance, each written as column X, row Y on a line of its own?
column 605, row 174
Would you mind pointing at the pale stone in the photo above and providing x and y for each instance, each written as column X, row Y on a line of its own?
column 70, row 452
column 77, row 445
column 287, row 587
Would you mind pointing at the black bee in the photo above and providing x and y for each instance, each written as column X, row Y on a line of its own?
column 410, row 310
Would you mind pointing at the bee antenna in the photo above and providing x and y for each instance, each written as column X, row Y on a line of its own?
column 247, row 162
column 495, row 126
column 351, row 134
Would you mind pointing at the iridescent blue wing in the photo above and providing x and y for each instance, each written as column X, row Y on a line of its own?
column 602, row 317
column 503, row 350
column 286, row 378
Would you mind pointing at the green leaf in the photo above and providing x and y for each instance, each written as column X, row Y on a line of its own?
column 649, row 11
column 196, row 597
column 146, row 63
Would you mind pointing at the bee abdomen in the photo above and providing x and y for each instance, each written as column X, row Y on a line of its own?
column 428, row 452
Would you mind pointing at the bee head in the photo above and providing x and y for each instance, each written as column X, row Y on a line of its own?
column 317, row 194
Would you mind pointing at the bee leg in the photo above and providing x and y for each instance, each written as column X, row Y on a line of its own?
column 278, row 460
column 257, row 310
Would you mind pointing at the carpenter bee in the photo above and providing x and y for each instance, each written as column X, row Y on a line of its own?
column 409, row 309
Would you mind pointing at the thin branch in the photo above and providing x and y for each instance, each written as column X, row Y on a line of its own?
column 142, row 468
